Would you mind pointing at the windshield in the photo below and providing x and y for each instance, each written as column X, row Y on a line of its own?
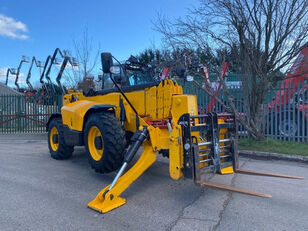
column 142, row 76
column 133, row 77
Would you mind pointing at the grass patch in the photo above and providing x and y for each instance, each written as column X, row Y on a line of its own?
column 276, row 146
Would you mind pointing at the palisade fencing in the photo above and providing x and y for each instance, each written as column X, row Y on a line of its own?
column 284, row 109
column 27, row 113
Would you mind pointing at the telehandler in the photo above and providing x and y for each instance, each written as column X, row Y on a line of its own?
column 135, row 109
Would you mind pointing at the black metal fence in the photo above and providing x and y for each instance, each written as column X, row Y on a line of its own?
column 27, row 113
column 284, row 110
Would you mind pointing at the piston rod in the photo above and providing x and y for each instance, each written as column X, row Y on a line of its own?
column 209, row 143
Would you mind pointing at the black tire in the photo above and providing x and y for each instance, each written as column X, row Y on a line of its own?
column 112, row 142
column 63, row 151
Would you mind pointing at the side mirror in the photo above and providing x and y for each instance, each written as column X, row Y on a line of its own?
column 107, row 61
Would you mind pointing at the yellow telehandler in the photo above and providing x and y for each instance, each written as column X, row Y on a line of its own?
column 135, row 109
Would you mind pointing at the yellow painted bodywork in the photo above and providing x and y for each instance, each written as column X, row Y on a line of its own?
column 227, row 170
column 163, row 102
column 180, row 105
column 54, row 146
column 96, row 154
column 176, row 153
column 73, row 113
column 111, row 199
column 153, row 103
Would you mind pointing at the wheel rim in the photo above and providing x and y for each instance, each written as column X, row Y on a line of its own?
column 95, row 152
column 288, row 129
column 54, row 144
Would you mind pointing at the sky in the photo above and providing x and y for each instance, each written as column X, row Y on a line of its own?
column 36, row 27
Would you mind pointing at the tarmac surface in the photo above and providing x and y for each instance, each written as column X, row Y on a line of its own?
column 40, row 193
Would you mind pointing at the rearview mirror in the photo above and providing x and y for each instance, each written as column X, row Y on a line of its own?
column 107, row 62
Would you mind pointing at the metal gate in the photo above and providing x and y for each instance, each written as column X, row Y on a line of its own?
column 27, row 113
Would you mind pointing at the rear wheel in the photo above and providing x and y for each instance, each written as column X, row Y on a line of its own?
column 56, row 143
column 105, row 142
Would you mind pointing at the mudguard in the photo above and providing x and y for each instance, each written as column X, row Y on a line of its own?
column 74, row 114
column 53, row 116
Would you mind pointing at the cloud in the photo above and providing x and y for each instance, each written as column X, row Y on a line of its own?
column 9, row 27
column 3, row 71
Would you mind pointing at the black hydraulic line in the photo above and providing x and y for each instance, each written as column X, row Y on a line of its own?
column 123, row 94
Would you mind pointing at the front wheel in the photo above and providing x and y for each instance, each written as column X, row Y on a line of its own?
column 58, row 149
column 105, row 142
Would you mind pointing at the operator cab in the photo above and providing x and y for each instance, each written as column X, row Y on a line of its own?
column 129, row 74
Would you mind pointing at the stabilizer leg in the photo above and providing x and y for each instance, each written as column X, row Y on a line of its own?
column 108, row 200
